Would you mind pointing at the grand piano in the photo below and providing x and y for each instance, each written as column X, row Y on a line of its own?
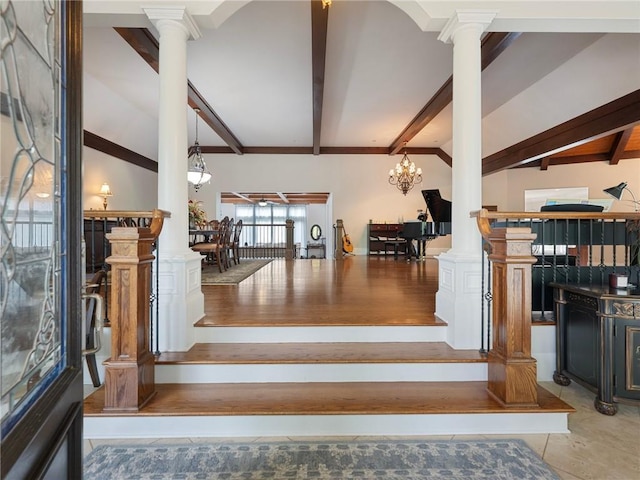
column 422, row 231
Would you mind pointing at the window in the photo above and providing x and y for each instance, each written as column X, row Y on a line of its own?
column 272, row 217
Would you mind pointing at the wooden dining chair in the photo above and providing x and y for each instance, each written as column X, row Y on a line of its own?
column 227, row 243
column 94, row 311
column 234, row 248
column 214, row 248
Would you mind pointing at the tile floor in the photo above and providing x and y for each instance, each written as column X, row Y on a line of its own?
column 598, row 448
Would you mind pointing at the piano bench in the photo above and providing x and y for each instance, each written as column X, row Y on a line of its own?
column 395, row 244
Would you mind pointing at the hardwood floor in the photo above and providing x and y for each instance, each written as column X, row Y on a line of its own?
column 323, row 398
column 361, row 291
column 358, row 291
column 306, row 353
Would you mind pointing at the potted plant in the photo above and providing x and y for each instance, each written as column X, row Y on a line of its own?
column 197, row 216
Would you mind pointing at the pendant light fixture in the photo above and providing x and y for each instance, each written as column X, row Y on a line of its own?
column 405, row 175
column 197, row 174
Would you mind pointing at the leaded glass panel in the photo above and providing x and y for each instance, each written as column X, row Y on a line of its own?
column 32, row 340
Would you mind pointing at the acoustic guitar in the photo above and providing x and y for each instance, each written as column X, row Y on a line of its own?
column 347, row 247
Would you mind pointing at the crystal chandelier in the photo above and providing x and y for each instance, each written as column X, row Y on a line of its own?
column 197, row 174
column 405, row 175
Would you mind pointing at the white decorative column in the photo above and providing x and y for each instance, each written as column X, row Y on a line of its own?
column 460, row 269
column 181, row 302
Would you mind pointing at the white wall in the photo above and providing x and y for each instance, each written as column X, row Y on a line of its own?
column 317, row 214
column 597, row 176
column 358, row 184
column 133, row 187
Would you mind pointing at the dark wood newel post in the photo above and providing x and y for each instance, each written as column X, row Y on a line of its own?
column 338, row 254
column 289, row 252
column 129, row 372
column 512, row 370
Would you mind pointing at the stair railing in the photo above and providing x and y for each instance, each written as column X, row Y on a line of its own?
column 129, row 372
column 267, row 240
column 99, row 223
column 569, row 247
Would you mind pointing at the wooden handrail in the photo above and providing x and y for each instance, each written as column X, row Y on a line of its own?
column 156, row 215
column 484, row 217
column 483, row 213
column 126, row 213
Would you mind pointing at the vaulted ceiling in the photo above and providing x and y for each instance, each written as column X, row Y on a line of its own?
column 365, row 77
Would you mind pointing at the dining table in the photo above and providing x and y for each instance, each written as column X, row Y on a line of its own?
column 206, row 234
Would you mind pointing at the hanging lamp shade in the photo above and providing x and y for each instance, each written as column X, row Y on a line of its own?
column 197, row 173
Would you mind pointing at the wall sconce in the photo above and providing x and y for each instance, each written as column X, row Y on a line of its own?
column 105, row 191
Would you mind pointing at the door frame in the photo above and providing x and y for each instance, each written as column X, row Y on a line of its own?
column 47, row 441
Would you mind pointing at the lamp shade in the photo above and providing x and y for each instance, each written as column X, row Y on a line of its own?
column 198, row 177
column 105, row 190
column 616, row 192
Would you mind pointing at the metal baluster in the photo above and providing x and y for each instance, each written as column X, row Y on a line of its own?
column 613, row 240
column 543, row 262
column 590, row 252
column 489, row 298
column 482, row 286
column 602, row 265
column 578, row 258
column 567, row 267
column 154, row 301
column 93, row 245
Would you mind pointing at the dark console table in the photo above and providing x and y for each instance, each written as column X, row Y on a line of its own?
column 598, row 342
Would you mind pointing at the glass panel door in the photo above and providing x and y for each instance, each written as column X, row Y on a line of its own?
column 31, row 205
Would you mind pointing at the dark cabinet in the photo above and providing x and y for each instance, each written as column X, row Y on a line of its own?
column 381, row 237
column 598, row 342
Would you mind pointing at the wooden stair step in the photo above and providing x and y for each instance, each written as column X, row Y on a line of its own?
column 320, row 316
column 358, row 398
column 310, row 353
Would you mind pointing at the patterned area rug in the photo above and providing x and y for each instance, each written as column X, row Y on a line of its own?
column 388, row 460
column 211, row 274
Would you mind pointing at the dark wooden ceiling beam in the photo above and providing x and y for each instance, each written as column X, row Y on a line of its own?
column 578, row 159
column 609, row 118
column 196, row 100
column 279, row 198
column 493, row 44
column 143, row 42
column 631, row 154
column 211, row 149
column 103, row 145
column 544, row 163
column 319, row 22
column 619, row 145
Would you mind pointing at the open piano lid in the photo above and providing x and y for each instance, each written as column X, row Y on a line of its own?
column 439, row 208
